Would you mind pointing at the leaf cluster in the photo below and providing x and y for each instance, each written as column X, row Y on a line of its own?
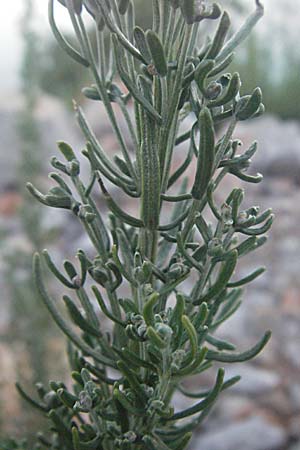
column 124, row 380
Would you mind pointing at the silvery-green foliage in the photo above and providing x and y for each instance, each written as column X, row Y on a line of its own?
column 124, row 380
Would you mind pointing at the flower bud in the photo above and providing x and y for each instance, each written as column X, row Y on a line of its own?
column 98, row 275
column 73, row 167
column 59, row 198
column 130, row 436
column 52, row 401
column 226, row 212
column 86, row 213
column 215, row 247
column 164, row 331
column 213, row 90
column 85, row 403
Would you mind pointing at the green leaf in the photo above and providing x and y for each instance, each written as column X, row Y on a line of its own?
column 56, row 272
column 258, row 231
column 176, row 319
column 243, row 32
column 188, row 8
column 123, row 6
column 230, row 307
column 182, row 168
column 192, row 334
column 251, row 106
column 95, row 148
column 133, row 381
column 132, row 88
column 247, row 246
column 206, row 155
column 59, row 180
column 210, row 399
column 181, row 443
column 224, row 276
column 104, row 307
column 219, row 38
column 240, row 357
column 78, row 318
column 201, row 73
column 237, row 199
column 62, row 324
column 61, row 40
column 220, row 344
column 68, row 399
column 130, row 220
column 148, row 308
column 175, row 223
column 66, row 150
column 74, row 5
column 248, row 278
column 150, row 179
column 120, row 397
column 229, row 94
column 61, row 428
column 29, row 400
column 203, row 394
column 192, row 367
column 157, row 52
column 117, row 34
column 200, row 318
column 70, row 269
column 156, row 340
column 193, row 262
column 264, row 216
column 142, row 44
column 221, row 66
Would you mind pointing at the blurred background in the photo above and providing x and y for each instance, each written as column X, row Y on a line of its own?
column 37, row 84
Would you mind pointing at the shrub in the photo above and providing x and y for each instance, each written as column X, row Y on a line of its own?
column 162, row 330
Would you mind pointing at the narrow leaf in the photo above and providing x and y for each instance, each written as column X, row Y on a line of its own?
column 240, row 357
column 220, row 36
column 224, row 276
column 61, row 40
column 157, row 52
column 206, row 155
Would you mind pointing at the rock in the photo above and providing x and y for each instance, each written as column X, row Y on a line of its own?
column 232, row 408
column 277, row 403
column 295, row 446
column 254, row 433
column 294, row 429
column 277, row 155
column 294, row 391
column 255, row 381
column 290, row 335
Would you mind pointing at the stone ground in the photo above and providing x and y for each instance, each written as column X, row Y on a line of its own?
column 262, row 412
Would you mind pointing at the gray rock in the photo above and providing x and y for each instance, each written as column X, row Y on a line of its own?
column 277, row 155
column 294, row 391
column 295, row 446
column 255, row 433
column 294, row 429
column 232, row 408
column 255, row 381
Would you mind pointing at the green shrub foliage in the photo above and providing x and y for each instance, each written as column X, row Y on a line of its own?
column 162, row 280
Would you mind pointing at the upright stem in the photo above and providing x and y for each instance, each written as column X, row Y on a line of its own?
column 106, row 100
column 167, row 141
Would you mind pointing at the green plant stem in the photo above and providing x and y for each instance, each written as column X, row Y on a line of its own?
column 168, row 139
column 106, row 101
